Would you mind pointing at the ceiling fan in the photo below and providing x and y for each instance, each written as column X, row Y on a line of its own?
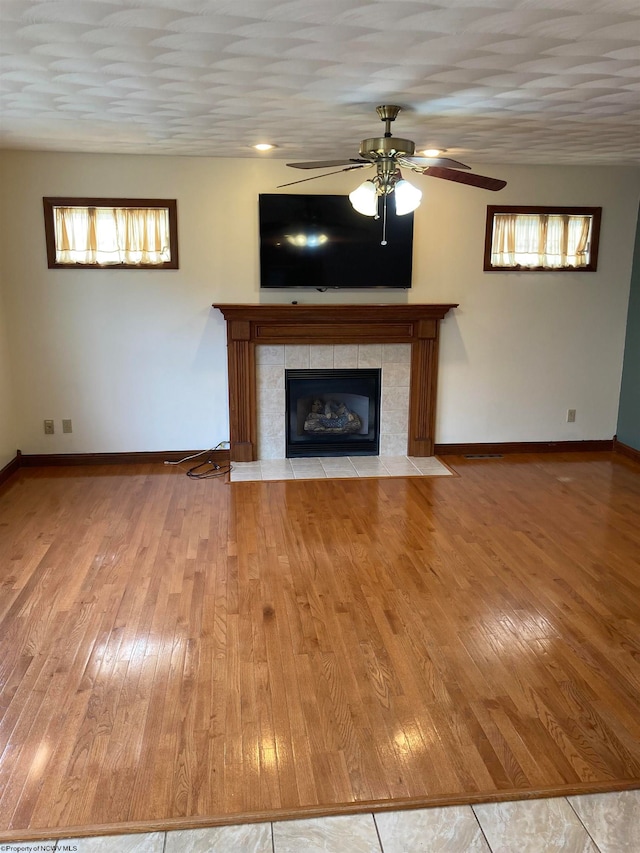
column 388, row 153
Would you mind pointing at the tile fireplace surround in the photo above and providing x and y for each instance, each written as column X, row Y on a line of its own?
column 264, row 339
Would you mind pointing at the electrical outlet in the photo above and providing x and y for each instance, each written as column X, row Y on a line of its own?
column 66, row 425
column 571, row 416
column 48, row 427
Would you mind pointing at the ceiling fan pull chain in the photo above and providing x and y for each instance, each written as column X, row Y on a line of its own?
column 383, row 242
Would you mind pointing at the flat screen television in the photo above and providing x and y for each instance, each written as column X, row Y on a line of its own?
column 321, row 242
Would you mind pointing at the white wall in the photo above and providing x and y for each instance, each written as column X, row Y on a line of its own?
column 8, row 434
column 138, row 358
column 525, row 347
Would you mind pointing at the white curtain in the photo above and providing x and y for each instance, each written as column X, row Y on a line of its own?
column 551, row 241
column 112, row 235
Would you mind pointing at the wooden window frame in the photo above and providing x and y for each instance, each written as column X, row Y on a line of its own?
column 50, row 202
column 594, row 212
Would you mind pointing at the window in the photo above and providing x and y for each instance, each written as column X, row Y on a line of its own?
column 111, row 233
column 542, row 238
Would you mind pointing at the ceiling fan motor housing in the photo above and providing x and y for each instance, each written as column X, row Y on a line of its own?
column 386, row 146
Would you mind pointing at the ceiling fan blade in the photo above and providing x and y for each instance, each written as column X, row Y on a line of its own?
column 481, row 181
column 432, row 161
column 326, row 164
column 326, row 175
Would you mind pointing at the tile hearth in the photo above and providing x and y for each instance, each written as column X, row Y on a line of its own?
column 338, row 467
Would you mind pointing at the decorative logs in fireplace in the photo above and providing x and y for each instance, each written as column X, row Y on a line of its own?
column 331, row 417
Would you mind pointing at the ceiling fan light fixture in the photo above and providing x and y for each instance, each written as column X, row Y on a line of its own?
column 408, row 197
column 364, row 199
column 264, row 146
column 432, row 152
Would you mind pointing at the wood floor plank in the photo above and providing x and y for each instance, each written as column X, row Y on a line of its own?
column 180, row 652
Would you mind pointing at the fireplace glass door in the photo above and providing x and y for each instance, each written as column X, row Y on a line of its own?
column 333, row 412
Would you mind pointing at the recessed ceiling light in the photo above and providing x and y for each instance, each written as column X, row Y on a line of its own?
column 432, row 152
column 264, row 146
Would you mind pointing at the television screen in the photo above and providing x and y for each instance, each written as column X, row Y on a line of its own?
column 320, row 241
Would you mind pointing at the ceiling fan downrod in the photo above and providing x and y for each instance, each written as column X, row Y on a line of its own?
column 388, row 113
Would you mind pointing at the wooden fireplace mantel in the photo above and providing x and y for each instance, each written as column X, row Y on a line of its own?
column 251, row 325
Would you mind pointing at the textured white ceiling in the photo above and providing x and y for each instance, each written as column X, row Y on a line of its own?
column 513, row 81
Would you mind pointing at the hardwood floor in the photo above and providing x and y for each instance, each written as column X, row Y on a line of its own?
column 179, row 653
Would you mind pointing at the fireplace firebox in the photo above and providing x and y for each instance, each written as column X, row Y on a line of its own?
column 333, row 412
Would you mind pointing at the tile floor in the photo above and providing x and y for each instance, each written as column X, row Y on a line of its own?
column 333, row 467
column 591, row 823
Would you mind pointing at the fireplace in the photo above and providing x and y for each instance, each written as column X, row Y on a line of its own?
column 332, row 412
column 250, row 327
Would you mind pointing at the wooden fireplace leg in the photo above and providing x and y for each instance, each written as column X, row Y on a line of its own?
column 422, row 404
column 242, row 392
